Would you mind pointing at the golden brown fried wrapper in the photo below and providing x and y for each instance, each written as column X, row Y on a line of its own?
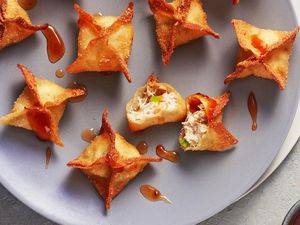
column 153, row 104
column 104, row 42
column 263, row 53
column 110, row 162
column 177, row 23
column 15, row 24
column 203, row 128
column 40, row 107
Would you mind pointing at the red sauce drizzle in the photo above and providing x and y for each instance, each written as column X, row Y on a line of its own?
column 194, row 105
column 152, row 194
column 55, row 44
column 48, row 156
column 142, row 147
column 258, row 44
column 27, row 4
column 40, row 122
column 168, row 155
column 252, row 107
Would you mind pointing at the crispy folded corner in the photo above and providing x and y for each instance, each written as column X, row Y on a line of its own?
column 40, row 107
column 263, row 53
column 110, row 162
column 15, row 24
column 153, row 104
column 203, row 128
column 235, row 2
column 104, row 42
column 177, row 23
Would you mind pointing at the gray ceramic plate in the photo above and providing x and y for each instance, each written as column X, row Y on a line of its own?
column 201, row 184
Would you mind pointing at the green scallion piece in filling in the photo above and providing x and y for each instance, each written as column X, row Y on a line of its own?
column 155, row 98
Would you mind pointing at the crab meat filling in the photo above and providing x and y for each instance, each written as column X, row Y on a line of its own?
column 194, row 127
column 152, row 101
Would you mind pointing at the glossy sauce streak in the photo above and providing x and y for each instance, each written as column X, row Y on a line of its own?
column 252, row 107
column 39, row 122
column 27, row 4
column 55, row 44
column 48, row 156
column 152, row 194
column 59, row 73
column 258, row 44
column 75, row 85
column 98, row 14
column 88, row 134
column 142, row 147
column 194, row 105
column 169, row 155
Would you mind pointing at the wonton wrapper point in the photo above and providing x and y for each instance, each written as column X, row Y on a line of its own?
column 104, row 42
column 15, row 24
column 263, row 53
column 40, row 107
column 110, row 162
column 178, row 23
column 168, row 105
column 216, row 137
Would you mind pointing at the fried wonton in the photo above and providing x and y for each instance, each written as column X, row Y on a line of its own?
column 153, row 104
column 110, row 162
column 263, row 53
column 178, row 23
column 104, row 42
column 235, row 2
column 40, row 107
column 15, row 24
column 203, row 128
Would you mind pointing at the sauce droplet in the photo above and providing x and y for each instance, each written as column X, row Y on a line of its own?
column 152, row 194
column 172, row 156
column 55, row 44
column 40, row 122
column 142, row 147
column 48, row 156
column 88, row 134
column 76, row 85
column 258, row 44
column 252, row 107
column 59, row 73
column 27, row 4
column 98, row 14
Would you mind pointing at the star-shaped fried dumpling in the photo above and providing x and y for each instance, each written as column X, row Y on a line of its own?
column 40, row 107
column 177, row 23
column 104, row 42
column 263, row 53
column 203, row 128
column 15, row 24
column 153, row 104
column 110, row 162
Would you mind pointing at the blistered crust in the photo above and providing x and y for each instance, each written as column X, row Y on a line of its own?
column 216, row 137
column 263, row 53
column 15, row 25
column 110, row 162
column 104, row 42
column 40, row 100
column 177, row 23
column 163, row 112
